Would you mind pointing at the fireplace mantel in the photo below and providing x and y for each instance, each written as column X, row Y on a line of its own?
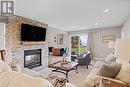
column 30, row 43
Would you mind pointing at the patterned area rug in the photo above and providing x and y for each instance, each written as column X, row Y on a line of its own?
column 74, row 78
column 55, row 80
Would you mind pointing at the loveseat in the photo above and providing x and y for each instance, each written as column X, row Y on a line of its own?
column 122, row 76
column 9, row 78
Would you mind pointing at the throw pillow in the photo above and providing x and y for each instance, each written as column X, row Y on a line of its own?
column 84, row 55
column 110, row 58
column 110, row 70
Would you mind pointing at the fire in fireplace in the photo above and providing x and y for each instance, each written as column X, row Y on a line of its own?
column 32, row 58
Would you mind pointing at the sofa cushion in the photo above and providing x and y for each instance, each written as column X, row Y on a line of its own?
column 110, row 58
column 123, row 75
column 110, row 70
column 18, row 79
column 84, row 55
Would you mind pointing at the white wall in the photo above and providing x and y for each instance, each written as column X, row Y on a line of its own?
column 2, row 36
column 101, row 49
column 51, row 33
column 125, row 32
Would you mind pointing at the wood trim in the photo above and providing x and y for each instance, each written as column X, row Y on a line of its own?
column 31, row 43
column 2, row 53
column 109, row 83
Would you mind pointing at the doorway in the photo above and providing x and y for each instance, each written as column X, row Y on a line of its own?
column 79, row 44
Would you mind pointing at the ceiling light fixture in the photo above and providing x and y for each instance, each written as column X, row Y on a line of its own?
column 74, row 26
column 106, row 10
column 96, row 23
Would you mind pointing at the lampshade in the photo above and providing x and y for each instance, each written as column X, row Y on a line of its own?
column 122, row 49
column 111, row 44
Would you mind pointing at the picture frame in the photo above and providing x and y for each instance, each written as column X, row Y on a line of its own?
column 60, row 39
column 54, row 39
column 108, row 38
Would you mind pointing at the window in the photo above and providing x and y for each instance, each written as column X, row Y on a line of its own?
column 78, row 44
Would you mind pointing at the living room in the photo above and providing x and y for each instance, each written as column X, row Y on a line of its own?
column 65, row 44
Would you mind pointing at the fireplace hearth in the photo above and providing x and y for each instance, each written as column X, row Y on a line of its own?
column 32, row 58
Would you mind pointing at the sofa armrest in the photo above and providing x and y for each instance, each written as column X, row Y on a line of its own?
column 111, row 79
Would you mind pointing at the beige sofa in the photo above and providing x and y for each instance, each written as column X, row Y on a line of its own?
column 27, row 78
column 9, row 78
column 122, row 77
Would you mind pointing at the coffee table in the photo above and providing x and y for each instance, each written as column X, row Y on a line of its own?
column 63, row 68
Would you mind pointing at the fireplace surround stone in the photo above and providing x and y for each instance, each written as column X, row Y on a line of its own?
column 14, row 48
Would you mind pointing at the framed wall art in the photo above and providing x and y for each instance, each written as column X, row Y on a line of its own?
column 108, row 38
column 60, row 39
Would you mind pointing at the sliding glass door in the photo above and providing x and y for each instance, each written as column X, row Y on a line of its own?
column 75, row 45
column 78, row 44
column 83, row 44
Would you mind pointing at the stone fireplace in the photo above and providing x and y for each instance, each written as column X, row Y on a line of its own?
column 16, row 51
column 32, row 58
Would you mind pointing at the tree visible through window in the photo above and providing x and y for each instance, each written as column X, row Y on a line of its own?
column 78, row 45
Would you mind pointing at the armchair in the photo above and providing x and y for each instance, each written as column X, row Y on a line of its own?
column 84, row 60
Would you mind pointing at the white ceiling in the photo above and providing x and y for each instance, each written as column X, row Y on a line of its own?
column 69, row 15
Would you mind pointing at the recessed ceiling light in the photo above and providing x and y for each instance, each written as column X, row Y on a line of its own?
column 96, row 23
column 106, row 10
column 74, row 26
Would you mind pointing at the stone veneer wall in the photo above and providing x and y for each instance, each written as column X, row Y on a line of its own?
column 14, row 48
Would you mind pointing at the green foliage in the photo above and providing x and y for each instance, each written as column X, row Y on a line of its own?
column 74, row 41
column 82, row 50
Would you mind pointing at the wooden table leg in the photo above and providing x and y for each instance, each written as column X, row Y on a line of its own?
column 67, row 74
column 2, row 54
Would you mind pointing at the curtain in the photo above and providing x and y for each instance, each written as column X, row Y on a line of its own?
column 90, row 44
